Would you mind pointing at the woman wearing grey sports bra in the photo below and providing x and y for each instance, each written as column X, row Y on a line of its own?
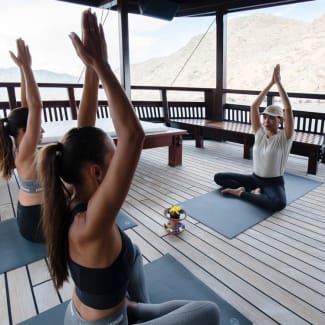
column 20, row 133
column 28, row 216
column 87, row 169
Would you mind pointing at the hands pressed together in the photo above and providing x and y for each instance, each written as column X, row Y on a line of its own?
column 276, row 77
column 92, row 49
column 23, row 57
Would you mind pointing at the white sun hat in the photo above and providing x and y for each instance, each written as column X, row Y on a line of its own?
column 273, row 110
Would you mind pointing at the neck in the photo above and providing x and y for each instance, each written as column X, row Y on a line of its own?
column 270, row 133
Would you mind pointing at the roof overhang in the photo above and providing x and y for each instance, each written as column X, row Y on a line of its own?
column 181, row 8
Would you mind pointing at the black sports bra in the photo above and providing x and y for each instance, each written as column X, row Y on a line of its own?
column 103, row 288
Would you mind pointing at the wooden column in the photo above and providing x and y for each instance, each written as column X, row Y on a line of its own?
column 221, row 53
column 124, row 46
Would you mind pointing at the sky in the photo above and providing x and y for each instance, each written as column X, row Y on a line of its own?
column 46, row 24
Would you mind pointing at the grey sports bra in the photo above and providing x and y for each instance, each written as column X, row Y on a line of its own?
column 32, row 186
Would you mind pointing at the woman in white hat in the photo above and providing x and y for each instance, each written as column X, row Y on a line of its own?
column 265, row 186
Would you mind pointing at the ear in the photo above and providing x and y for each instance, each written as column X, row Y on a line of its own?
column 21, row 131
column 96, row 172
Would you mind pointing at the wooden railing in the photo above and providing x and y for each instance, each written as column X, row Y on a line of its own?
column 165, row 108
column 309, row 122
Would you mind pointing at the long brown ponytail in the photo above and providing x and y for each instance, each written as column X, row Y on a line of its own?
column 64, row 162
column 7, row 157
column 9, row 128
column 55, row 213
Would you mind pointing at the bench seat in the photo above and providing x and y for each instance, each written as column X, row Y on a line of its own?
column 304, row 144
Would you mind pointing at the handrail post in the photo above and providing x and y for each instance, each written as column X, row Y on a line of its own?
column 12, row 97
column 269, row 99
column 164, row 100
column 210, row 98
column 72, row 101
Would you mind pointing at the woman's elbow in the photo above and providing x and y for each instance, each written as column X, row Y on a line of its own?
column 136, row 135
column 139, row 135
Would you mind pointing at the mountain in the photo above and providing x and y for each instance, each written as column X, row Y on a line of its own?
column 12, row 75
column 255, row 44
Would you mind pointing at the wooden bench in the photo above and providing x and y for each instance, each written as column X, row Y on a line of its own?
column 308, row 139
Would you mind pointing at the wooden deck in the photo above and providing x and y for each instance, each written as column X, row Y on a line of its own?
column 272, row 273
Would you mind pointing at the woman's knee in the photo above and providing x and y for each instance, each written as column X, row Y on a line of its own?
column 212, row 309
column 218, row 178
column 278, row 205
column 211, row 312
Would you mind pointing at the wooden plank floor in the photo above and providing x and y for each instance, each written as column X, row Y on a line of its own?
column 272, row 273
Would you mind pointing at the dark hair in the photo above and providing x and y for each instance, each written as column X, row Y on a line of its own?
column 9, row 127
column 63, row 162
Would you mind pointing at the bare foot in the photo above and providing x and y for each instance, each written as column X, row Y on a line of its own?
column 257, row 191
column 234, row 191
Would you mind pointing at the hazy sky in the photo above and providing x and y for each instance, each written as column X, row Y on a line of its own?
column 45, row 25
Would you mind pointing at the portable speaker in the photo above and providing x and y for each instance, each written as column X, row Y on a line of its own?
column 163, row 9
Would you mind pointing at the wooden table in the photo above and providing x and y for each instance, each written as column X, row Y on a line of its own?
column 156, row 135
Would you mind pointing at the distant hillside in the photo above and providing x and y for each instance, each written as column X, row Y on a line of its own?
column 255, row 44
column 12, row 75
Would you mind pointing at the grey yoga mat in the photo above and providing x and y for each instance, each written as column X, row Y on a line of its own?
column 231, row 216
column 167, row 280
column 16, row 251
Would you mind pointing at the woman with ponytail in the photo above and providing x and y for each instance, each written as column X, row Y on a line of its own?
column 86, row 179
column 20, row 134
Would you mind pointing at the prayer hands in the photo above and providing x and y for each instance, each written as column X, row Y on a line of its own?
column 23, row 57
column 276, row 78
column 92, row 50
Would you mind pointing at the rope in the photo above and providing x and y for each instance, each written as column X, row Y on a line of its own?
column 192, row 53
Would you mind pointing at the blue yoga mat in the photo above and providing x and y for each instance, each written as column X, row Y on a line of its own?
column 16, row 251
column 230, row 216
column 167, row 280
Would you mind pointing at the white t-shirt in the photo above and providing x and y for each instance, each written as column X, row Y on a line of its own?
column 270, row 155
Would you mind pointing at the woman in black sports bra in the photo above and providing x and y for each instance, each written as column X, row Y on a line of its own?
column 86, row 179
column 20, row 134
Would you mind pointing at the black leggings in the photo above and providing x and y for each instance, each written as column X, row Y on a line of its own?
column 28, row 220
column 272, row 195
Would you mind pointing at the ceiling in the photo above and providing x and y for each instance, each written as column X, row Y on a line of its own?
column 167, row 9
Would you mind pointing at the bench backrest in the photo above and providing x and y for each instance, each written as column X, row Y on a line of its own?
column 309, row 122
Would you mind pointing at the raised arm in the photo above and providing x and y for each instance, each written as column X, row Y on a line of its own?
column 254, row 110
column 23, row 98
column 89, row 98
column 107, row 200
column 32, row 134
column 288, row 115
